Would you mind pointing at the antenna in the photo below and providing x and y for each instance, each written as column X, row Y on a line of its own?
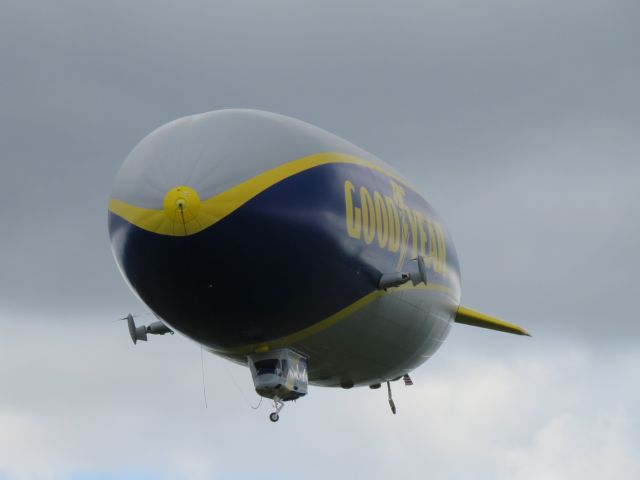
column 184, row 223
column 204, row 388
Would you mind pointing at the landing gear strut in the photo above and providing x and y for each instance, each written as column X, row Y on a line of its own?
column 278, row 405
column 391, row 404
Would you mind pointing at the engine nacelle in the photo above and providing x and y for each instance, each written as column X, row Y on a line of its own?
column 141, row 332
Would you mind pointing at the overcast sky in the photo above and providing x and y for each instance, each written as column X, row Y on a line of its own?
column 518, row 120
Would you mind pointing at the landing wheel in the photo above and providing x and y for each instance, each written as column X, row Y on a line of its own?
column 274, row 417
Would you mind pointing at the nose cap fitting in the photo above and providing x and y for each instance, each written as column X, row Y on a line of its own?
column 181, row 204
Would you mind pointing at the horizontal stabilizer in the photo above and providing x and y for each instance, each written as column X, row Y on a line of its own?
column 477, row 319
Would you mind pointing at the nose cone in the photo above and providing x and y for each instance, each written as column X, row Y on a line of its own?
column 205, row 155
column 216, row 221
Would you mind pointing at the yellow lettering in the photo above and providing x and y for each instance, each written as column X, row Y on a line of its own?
column 433, row 246
column 394, row 225
column 373, row 215
column 368, row 215
column 414, row 232
column 398, row 194
column 354, row 220
column 382, row 220
column 423, row 234
column 398, row 197
column 442, row 248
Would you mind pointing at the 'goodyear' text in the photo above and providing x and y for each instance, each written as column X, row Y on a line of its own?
column 387, row 221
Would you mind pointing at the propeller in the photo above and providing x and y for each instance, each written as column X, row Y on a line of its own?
column 140, row 333
column 126, row 318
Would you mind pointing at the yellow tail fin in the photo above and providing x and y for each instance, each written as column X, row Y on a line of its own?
column 477, row 319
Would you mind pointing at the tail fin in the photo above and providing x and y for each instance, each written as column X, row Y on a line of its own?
column 477, row 319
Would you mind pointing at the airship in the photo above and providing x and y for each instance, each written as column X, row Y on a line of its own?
column 284, row 248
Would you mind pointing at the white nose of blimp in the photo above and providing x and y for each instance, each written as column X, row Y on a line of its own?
column 224, row 224
column 177, row 180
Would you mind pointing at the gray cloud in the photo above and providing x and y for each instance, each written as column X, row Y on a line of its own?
column 108, row 406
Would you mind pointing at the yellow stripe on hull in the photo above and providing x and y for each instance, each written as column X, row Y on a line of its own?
column 210, row 211
column 327, row 322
